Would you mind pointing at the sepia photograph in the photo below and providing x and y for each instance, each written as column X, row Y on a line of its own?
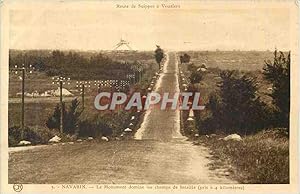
column 160, row 96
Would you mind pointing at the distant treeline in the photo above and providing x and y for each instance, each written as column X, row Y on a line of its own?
column 73, row 64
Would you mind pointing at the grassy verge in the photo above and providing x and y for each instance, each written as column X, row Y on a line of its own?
column 262, row 158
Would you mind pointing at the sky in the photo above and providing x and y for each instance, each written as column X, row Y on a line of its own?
column 100, row 28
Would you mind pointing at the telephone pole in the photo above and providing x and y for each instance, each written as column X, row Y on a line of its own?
column 22, row 69
column 61, row 81
column 23, row 103
column 82, row 96
column 61, row 126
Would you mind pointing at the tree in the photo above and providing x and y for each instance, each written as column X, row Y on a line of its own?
column 278, row 73
column 159, row 55
column 185, row 58
column 53, row 121
column 236, row 108
column 212, row 123
column 237, row 94
column 70, row 119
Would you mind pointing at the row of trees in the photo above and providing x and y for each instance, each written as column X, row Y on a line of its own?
column 237, row 108
column 74, row 65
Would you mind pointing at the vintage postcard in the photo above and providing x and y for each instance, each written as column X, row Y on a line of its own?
column 149, row 96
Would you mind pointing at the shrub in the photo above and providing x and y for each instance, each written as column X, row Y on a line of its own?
column 53, row 121
column 70, row 119
column 34, row 135
column 195, row 77
column 86, row 129
column 235, row 108
column 109, row 124
column 191, row 67
column 185, row 58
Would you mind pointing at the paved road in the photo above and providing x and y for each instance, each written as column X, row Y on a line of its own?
column 163, row 125
column 160, row 156
column 115, row 162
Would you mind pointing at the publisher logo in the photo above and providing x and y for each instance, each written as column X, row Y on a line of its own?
column 18, row 187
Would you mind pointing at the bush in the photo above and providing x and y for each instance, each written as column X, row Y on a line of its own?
column 95, row 127
column 70, row 119
column 195, row 77
column 89, row 129
column 111, row 124
column 235, row 108
column 185, row 58
column 53, row 121
column 34, row 135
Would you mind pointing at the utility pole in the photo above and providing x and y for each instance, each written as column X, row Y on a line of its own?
column 61, row 107
column 22, row 69
column 61, row 81
column 81, row 85
column 140, row 69
column 82, row 96
column 135, row 78
column 23, row 103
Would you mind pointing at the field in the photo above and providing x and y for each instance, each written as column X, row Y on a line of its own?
column 250, row 62
column 241, row 60
column 38, row 109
